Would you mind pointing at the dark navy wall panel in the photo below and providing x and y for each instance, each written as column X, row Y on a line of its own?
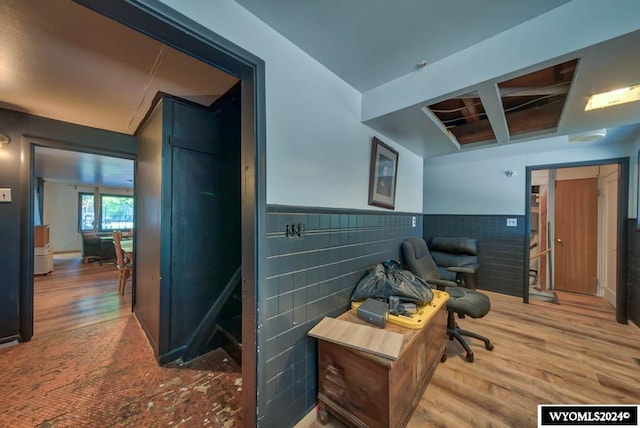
column 501, row 248
column 307, row 279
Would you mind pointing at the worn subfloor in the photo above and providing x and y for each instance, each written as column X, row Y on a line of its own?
column 105, row 375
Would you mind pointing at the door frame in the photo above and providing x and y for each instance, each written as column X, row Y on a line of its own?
column 623, row 212
column 161, row 22
column 27, row 208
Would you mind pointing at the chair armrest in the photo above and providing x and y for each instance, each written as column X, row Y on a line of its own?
column 441, row 283
column 471, row 268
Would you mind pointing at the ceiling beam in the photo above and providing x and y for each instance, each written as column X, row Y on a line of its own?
column 441, row 126
column 470, row 112
column 473, row 132
column 534, row 91
column 490, row 97
column 532, row 120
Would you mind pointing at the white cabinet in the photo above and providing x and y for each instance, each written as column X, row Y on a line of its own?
column 43, row 253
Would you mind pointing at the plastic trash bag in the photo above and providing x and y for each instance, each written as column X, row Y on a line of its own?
column 389, row 279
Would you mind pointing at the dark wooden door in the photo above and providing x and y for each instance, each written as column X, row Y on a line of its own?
column 576, row 236
column 205, row 219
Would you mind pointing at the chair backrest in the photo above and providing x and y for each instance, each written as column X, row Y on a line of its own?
column 449, row 251
column 418, row 259
column 117, row 237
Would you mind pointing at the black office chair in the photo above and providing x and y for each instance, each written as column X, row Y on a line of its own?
column 454, row 252
column 462, row 301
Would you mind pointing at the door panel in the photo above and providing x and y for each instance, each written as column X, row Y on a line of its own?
column 576, row 236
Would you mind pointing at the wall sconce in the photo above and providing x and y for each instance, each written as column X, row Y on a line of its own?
column 510, row 173
column 4, row 140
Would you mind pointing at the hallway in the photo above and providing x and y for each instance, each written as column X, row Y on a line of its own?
column 89, row 363
column 105, row 375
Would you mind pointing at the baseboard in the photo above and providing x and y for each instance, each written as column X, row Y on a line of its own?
column 152, row 344
column 171, row 356
column 9, row 341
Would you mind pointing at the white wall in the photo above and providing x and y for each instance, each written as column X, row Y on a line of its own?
column 61, row 213
column 474, row 182
column 317, row 150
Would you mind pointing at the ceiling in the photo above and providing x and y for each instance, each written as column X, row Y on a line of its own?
column 62, row 61
column 77, row 168
column 370, row 42
column 471, row 52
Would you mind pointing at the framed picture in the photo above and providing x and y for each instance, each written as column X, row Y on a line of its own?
column 383, row 174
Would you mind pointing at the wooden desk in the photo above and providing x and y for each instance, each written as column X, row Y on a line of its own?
column 364, row 390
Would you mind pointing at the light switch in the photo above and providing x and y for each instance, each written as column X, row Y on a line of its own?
column 5, row 194
column 512, row 222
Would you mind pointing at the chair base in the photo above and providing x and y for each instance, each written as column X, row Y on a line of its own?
column 455, row 332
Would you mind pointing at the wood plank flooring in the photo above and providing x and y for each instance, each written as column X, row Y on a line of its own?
column 574, row 352
column 76, row 295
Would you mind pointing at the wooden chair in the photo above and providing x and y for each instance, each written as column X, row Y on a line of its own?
column 123, row 266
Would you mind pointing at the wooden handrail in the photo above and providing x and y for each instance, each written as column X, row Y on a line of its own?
column 541, row 253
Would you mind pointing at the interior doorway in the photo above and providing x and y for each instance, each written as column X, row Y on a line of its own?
column 576, row 225
column 190, row 38
column 196, row 41
column 79, row 198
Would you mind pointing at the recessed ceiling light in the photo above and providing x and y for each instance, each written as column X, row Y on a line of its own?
column 585, row 137
column 612, row 98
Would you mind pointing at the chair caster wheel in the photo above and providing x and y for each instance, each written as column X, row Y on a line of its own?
column 489, row 346
column 469, row 358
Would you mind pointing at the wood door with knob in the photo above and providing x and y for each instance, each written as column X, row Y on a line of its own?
column 576, row 236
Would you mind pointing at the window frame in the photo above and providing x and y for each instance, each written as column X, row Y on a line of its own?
column 80, row 222
column 125, row 196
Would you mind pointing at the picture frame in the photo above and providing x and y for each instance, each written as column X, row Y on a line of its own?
column 383, row 172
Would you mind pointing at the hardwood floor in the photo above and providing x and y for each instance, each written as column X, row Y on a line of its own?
column 574, row 352
column 592, row 306
column 76, row 295
column 544, row 353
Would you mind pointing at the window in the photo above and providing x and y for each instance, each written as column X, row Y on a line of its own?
column 86, row 213
column 116, row 212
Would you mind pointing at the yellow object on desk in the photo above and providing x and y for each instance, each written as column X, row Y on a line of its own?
column 422, row 317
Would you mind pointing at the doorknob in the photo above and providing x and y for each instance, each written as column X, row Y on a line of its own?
column 559, row 241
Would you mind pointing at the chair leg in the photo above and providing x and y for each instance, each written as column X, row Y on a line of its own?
column 121, row 282
column 125, row 275
column 487, row 343
column 455, row 332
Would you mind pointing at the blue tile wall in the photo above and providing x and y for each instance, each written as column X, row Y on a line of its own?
column 501, row 248
column 305, row 280
column 633, row 272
